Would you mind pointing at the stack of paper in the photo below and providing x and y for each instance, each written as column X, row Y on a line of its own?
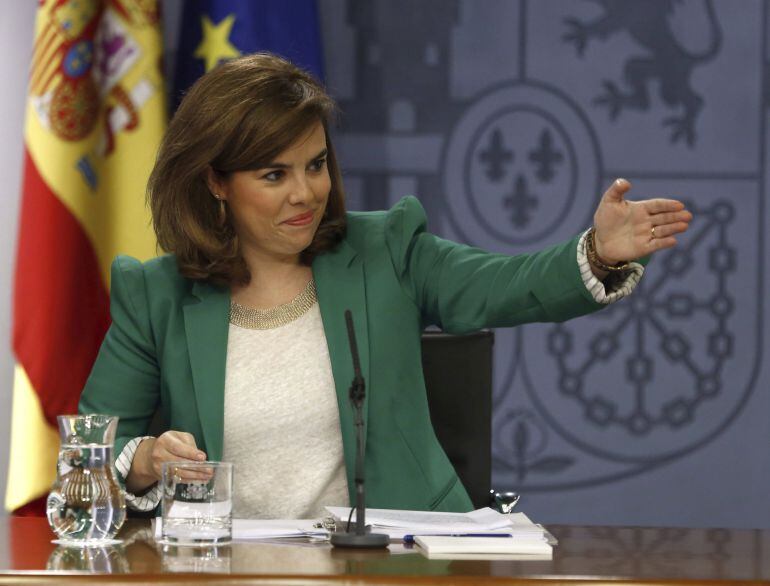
column 398, row 524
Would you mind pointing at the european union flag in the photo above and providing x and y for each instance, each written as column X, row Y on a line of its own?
column 217, row 30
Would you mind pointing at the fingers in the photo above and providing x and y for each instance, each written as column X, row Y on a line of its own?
column 667, row 224
column 617, row 190
column 660, row 205
column 193, row 472
column 683, row 217
column 665, row 230
column 182, row 445
column 178, row 446
column 655, row 244
column 663, row 235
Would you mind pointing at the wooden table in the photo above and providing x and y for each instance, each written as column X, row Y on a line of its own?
column 585, row 555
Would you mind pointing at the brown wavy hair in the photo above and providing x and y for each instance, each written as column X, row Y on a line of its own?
column 239, row 116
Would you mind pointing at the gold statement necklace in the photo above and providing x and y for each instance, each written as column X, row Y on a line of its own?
column 275, row 317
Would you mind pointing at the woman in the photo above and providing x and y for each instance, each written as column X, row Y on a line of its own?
column 238, row 334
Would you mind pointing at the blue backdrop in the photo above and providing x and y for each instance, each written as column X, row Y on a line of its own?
column 508, row 118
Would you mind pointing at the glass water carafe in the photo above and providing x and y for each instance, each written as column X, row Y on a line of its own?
column 87, row 504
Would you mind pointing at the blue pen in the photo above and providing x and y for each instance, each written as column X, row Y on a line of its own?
column 410, row 538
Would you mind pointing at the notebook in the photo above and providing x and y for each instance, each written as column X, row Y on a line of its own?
column 442, row 544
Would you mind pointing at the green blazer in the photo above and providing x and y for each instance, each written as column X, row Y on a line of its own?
column 167, row 344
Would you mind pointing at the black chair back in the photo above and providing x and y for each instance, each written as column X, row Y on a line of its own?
column 458, row 378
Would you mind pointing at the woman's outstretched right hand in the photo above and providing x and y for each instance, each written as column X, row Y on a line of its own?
column 171, row 446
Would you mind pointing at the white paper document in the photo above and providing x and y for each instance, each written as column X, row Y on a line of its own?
column 252, row 529
column 398, row 523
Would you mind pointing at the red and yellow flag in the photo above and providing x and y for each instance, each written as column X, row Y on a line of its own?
column 95, row 116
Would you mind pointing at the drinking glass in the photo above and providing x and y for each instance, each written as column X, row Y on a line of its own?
column 197, row 503
column 86, row 506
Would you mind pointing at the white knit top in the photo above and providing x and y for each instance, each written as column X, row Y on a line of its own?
column 282, row 426
column 282, row 421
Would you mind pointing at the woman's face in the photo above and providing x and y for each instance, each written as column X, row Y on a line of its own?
column 276, row 210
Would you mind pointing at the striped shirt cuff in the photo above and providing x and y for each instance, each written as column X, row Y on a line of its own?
column 615, row 287
column 149, row 500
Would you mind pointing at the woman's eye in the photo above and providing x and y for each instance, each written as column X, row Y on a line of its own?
column 317, row 165
column 273, row 176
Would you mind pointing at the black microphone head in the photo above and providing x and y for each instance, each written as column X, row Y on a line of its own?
column 357, row 389
column 353, row 344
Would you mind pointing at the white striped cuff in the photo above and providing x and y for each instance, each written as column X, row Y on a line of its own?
column 149, row 500
column 614, row 289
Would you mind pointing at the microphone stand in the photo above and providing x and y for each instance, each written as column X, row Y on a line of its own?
column 360, row 538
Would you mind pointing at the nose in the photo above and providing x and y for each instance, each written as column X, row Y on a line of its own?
column 301, row 191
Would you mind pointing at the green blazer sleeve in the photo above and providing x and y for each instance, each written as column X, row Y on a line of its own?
column 125, row 377
column 461, row 288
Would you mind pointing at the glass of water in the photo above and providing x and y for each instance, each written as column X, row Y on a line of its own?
column 197, row 503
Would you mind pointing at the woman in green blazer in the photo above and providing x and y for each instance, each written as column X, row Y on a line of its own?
column 247, row 199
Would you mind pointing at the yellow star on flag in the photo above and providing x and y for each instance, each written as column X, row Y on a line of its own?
column 215, row 44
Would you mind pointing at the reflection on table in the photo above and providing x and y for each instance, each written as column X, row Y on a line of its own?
column 663, row 555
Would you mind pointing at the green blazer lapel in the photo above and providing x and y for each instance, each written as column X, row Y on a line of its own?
column 339, row 278
column 206, row 325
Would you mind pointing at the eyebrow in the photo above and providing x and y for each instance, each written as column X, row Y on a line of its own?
column 320, row 155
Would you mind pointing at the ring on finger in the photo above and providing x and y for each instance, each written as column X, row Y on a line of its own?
column 652, row 232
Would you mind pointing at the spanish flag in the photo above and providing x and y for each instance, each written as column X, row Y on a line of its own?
column 95, row 116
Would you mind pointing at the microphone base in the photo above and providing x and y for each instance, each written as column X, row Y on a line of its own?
column 355, row 541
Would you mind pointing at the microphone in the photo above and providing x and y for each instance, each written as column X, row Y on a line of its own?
column 360, row 538
column 358, row 387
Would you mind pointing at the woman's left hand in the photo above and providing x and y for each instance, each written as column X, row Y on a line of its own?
column 627, row 230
